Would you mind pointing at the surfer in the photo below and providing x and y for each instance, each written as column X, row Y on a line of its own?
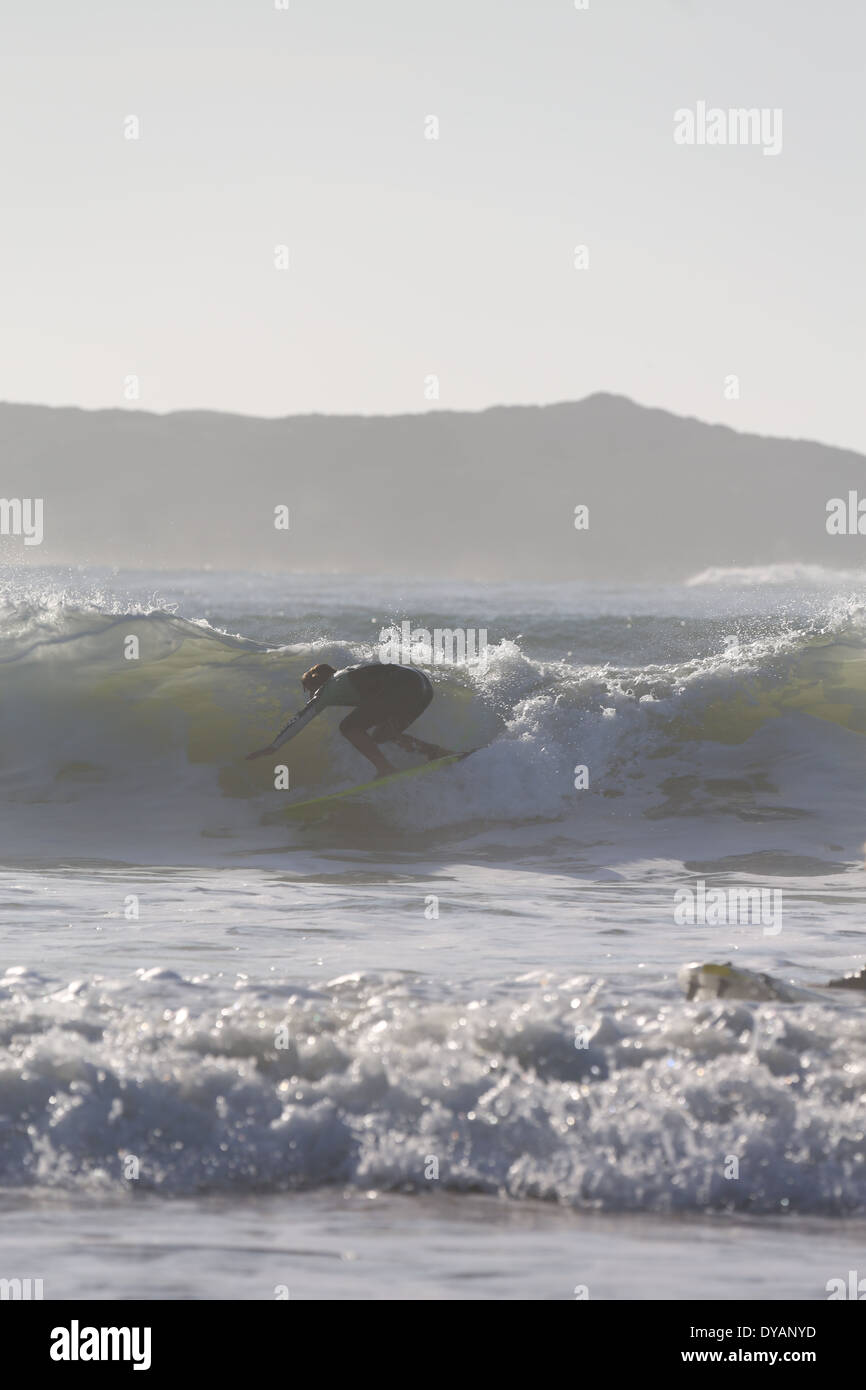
column 386, row 699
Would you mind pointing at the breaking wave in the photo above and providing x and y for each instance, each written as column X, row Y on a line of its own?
column 544, row 1088
column 134, row 724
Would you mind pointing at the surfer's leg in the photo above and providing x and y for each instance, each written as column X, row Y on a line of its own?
column 354, row 728
column 409, row 708
column 417, row 745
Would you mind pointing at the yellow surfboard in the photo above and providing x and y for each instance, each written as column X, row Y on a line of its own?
column 318, row 803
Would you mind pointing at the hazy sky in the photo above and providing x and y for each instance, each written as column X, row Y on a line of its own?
column 455, row 257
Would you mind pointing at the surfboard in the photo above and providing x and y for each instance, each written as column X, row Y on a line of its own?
column 317, row 803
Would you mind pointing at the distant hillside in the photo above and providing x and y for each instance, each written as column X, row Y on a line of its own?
column 487, row 495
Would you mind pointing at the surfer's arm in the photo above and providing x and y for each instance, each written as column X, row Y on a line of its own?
column 294, row 726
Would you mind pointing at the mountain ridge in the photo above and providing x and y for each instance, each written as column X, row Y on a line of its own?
column 478, row 495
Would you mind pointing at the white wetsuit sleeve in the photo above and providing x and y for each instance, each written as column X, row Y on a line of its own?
column 295, row 725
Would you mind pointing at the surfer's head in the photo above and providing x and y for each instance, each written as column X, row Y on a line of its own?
column 315, row 678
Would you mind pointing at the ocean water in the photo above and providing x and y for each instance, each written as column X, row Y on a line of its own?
column 436, row 1044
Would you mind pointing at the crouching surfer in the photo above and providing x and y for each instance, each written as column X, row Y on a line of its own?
column 385, row 699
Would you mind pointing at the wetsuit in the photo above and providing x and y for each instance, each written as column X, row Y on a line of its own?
column 385, row 696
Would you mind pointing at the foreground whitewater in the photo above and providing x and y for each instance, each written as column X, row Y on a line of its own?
column 461, row 996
